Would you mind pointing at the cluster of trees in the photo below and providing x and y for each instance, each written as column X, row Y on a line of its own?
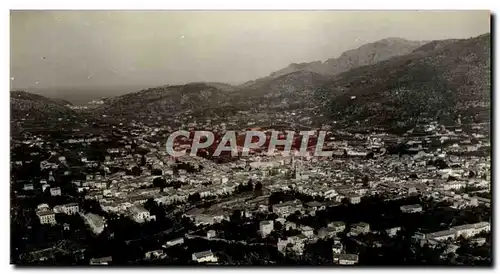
column 156, row 172
column 163, row 183
column 249, row 186
column 134, row 171
column 290, row 195
column 439, row 163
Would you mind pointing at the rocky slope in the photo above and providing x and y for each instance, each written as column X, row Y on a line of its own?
column 367, row 54
column 441, row 80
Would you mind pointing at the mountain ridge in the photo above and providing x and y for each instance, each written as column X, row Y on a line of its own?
column 366, row 54
column 439, row 81
column 446, row 71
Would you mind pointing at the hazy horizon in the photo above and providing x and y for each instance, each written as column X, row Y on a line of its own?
column 127, row 49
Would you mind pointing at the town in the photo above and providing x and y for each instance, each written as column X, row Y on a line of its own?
column 429, row 189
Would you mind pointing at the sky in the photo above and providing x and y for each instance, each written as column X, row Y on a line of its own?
column 117, row 49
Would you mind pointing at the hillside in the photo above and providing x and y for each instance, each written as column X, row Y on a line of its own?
column 166, row 101
column 293, row 90
column 367, row 54
column 27, row 106
column 28, row 109
column 440, row 80
column 292, row 87
column 437, row 80
column 370, row 54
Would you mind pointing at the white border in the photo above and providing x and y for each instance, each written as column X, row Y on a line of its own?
column 197, row 5
column 255, row 4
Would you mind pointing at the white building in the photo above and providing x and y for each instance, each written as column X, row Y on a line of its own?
column 454, row 185
column 478, row 241
column 204, row 256
column 174, row 242
column 345, row 259
column 47, row 217
column 466, row 231
column 205, row 219
column 154, row 254
column 470, row 230
column 43, row 207
column 441, row 235
column 139, row 214
column 101, row 261
column 211, row 234
column 307, row 231
column 392, row 231
column 411, row 208
column 355, row 199
column 337, row 247
column 55, row 191
column 28, row 187
column 58, row 209
column 360, row 228
column 287, row 208
column 69, row 209
column 338, row 226
column 295, row 244
column 290, row 225
column 265, row 227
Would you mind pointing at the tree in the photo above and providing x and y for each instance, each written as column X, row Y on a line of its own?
column 160, row 182
column 249, row 185
column 365, row 181
column 156, row 172
column 150, row 204
column 236, row 216
column 278, row 226
column 195, row 197
column 439, row 163
column 258, row 186
column 135, row 171
column 345, row 201
column 92, row 206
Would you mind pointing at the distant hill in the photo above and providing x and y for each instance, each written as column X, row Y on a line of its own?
column 390, row 83
column 23, row 95
column 288, row 88
column 82, row 95
column 166, row 101
column 28, row 109
column 440, row 80
column 370, row 54
column 367, row 54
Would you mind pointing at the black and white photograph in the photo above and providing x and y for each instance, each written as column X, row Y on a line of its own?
column 338, row 138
